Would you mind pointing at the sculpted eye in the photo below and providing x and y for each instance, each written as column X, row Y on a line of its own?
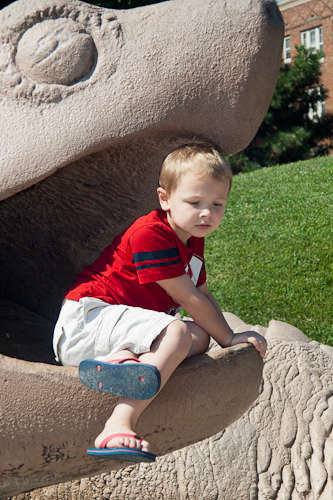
column 55, row 51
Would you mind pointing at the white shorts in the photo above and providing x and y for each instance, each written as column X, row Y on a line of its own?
column 94, row 329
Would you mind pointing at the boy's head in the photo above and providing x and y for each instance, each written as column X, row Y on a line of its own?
column 200, row 159
column 195, row 182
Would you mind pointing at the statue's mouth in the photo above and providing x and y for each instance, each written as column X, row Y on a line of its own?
column 85, row 165
column 91, row 103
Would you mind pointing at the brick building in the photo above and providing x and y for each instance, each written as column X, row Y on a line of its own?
column 310, row 23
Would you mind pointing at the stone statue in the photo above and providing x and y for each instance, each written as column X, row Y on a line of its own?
column 91, row 102
column 281, row 448
column 108, row 94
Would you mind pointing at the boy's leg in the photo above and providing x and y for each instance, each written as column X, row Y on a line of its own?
column 200, row 339
column 176, row 342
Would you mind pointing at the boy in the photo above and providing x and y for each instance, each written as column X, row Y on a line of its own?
column 120, row 313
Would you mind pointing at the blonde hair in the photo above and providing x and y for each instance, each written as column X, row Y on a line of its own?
column 200, row 159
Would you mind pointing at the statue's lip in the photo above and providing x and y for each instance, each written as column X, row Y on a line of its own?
column 185, row 80
column 50, row 446
column 134, row 81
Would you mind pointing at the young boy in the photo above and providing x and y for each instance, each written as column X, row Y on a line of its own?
column 120, row 312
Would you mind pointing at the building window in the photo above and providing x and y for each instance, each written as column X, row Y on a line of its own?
column 286, row 49
column 313, row 39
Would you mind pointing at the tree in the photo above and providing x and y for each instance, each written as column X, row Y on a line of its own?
column 292, row 129
column 123, row 4
column 108, row 4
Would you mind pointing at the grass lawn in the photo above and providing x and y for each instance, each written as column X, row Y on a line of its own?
column 272, row 256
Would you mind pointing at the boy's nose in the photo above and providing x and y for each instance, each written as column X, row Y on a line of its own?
column 206, row 212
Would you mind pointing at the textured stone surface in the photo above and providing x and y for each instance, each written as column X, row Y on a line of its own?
column 78, row 76
column 48, row 418
column 109, row 94
column 282, row 448
column 278, row 330
column 50, row 46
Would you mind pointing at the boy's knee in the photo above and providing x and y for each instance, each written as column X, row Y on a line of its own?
column 202, row 343
column 181, row 333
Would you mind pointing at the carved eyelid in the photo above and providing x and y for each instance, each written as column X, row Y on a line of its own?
column 36, row 54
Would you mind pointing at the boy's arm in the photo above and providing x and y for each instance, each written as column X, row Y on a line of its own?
column 204, row 289
column 200, row 304
column 199, row 307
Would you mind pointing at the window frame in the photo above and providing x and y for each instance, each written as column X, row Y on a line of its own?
column 286, row 49
column 313, row 39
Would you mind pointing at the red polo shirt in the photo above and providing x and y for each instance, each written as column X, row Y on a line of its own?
column 127, row 271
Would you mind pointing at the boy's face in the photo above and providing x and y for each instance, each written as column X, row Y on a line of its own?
column 196, row 206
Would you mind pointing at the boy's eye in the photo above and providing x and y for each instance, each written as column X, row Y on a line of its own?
column 193, row 202
column 218, row 204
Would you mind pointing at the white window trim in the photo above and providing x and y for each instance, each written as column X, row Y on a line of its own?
column 317, row 42
column 286, row 49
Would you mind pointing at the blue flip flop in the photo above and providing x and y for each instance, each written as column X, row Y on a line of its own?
column 136, row 380
column 121, row 454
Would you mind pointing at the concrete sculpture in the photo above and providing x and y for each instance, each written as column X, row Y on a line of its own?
column 282, row 448
column 91, row 102
column 49, row 419
column 109, row 94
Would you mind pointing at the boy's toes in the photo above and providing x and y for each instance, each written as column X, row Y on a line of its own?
column 118, row 441
column 128, row 442
column 131, row 442
column 145, row 446
column 136, row 444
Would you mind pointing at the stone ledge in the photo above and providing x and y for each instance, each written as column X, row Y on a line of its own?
column 49, row 419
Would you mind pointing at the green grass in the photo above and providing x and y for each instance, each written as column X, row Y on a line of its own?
column 272, row 256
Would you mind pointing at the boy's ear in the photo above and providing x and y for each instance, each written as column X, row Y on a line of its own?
column 163, row 198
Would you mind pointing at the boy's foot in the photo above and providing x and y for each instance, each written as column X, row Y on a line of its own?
column 123, row 447
column 123, row 377
column 122, row 439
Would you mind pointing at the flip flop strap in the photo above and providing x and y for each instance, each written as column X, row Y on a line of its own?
column 108, row 439
column 119, row 361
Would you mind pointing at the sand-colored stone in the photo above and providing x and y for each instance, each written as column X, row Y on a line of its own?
column 282, row 448
column 66, row 91
column 278, row 330
column 106, row 95
column 91, row 101
column 48, row 419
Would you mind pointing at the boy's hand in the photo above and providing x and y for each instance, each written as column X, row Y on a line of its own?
column 254, row 338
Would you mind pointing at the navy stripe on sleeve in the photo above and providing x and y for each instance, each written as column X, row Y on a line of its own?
column 157, row 255
column 159, row 264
